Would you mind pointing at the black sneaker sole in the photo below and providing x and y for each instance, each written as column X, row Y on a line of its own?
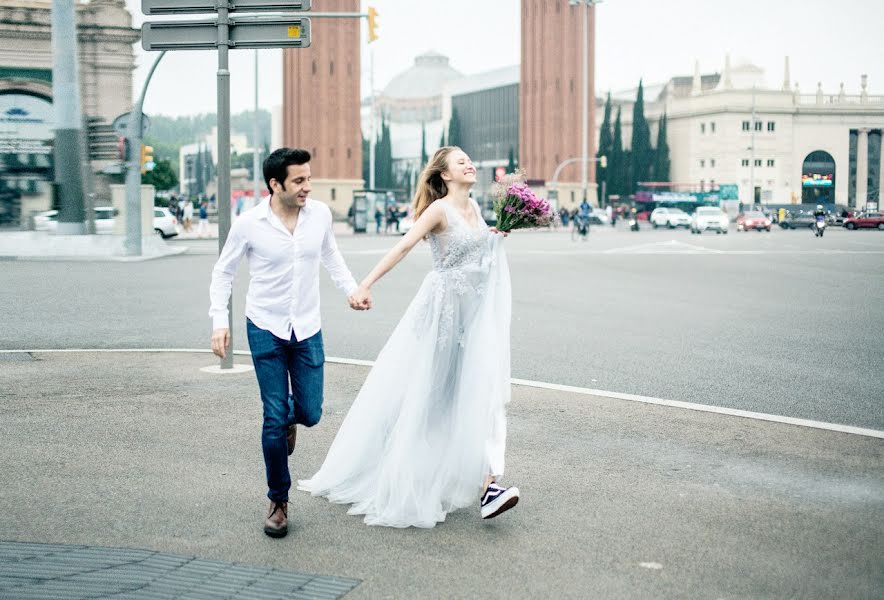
column 276, row 533
column 504, row 507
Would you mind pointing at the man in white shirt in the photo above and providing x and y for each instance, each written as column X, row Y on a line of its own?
column 285, row 237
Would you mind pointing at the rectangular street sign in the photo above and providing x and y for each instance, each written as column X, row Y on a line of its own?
column 190, row 7
column 245, row 32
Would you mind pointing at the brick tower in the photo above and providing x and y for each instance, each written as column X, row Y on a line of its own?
column 551, row 95
column 320, row 110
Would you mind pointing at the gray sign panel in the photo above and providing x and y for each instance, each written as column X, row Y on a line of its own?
column 245, row 32
column 190, row 7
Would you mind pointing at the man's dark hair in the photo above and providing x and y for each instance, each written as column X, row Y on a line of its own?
column 276, row 164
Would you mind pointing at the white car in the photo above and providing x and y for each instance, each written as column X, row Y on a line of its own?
column 164, row 224
column 669, row 217
column 709, row 217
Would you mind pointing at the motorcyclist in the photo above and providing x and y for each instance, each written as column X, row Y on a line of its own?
column 819, row 217
column 583, row 216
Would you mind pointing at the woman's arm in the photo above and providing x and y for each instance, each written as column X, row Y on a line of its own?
column 433, row 219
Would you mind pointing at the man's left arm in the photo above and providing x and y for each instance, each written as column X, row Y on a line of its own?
column 334, row 262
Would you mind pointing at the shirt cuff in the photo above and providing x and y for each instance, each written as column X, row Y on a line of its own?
column 351, row 289
column 220, row 321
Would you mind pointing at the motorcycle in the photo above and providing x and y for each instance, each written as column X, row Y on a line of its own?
column 633, row 224
column 581, row 228
column 819, row 226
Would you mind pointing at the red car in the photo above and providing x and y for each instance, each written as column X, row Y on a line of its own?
column 753, row 220
column 867, row 220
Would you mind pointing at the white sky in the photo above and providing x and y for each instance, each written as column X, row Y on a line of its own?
column 828, row 41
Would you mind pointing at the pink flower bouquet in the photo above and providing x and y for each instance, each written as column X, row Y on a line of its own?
column 517, row 207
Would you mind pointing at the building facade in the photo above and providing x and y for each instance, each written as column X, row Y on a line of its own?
column 551, row 95
column 320, row 110
column 487, row 106
column 106, row 61
column 776, row 144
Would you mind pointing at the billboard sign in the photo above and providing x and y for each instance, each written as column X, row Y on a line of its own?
column 26, row 123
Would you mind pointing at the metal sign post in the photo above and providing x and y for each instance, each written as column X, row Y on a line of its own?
column 224, row 32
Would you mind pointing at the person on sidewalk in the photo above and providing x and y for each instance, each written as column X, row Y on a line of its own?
column 188, row 216
column 426, row 434
column 285, row 238
column 203, row 230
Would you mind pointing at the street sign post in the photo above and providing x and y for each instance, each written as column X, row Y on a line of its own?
column 227, row 31
column 192, row 7
column 244, row 32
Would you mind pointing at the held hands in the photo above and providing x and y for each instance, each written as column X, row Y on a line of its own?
column 361, row 299
column 221, row 342
column 496, row 230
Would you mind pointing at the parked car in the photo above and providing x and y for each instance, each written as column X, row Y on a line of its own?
column 42, row 219
column 164, row 224
column 865, row 220
column 753, row 219
column 670, row 217
column 599, row 217
column 709, row 217
column 798, row 219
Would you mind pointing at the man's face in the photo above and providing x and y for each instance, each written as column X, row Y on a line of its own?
column 294, row 191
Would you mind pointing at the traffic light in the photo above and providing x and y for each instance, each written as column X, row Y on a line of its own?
column 147, row 163
column 372, row 24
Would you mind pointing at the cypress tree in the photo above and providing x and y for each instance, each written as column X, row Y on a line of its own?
column 640, row 163
column 616, row 163
column 366, row 161
column 606, row 145
column 661, row 155
column 424, row 157
column 511, row 161
column 454, row 129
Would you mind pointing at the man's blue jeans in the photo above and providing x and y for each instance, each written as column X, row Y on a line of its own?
column 278, row 364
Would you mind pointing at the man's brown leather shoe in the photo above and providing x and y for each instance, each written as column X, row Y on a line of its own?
column 277, row 524
column 290, row 438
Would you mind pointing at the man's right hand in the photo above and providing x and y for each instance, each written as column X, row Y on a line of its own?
column 221, row 342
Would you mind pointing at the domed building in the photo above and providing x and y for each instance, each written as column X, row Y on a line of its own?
column 411, row 104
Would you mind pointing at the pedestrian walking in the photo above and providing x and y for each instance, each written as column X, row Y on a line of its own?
column 203, row 230
column 285, row 238
column 188, row 216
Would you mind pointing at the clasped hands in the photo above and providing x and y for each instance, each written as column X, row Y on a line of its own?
column 361, row 299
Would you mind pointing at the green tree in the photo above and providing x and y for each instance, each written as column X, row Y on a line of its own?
column 641, row 151
column 511, row 161
column 424, row 157
column 661, row 155
column 383, row 158
column 162, row 177
column 617, row 162
column 454, row 137
column 606, row 145
column 366, row 161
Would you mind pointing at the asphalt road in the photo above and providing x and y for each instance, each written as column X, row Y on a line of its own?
column 618, row 499
column 778, row 322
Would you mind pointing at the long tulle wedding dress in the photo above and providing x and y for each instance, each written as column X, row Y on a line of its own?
column 429, row 423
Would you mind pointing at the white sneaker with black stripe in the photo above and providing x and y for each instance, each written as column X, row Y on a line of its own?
column 498, row 499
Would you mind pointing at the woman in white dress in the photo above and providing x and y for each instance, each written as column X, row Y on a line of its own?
column 426, row 433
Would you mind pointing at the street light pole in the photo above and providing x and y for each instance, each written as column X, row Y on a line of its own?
column 584, row 142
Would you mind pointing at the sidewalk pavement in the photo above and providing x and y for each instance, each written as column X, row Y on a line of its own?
column 619, row 499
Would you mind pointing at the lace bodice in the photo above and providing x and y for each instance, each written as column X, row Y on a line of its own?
column 459, row 245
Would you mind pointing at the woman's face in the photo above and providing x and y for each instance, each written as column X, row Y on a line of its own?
column 460, row 168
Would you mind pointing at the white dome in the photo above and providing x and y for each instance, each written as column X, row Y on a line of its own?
column 425, row 79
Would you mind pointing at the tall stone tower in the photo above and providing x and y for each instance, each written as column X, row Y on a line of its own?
column 551, row 95
column 320, row 110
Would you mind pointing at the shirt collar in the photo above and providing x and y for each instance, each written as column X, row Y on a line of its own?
column 262, row 211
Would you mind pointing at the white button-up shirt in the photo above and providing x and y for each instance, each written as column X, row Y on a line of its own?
column 283, row 267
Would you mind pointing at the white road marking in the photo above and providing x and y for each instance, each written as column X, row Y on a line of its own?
column 746, row 414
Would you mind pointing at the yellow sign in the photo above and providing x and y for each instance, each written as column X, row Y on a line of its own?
column 294, row 31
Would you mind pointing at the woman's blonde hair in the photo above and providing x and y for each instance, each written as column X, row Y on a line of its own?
column 430, row 185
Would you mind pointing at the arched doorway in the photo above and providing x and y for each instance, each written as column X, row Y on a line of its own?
column 818, row 178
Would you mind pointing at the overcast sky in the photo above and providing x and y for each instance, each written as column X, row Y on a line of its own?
column 828, row 41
